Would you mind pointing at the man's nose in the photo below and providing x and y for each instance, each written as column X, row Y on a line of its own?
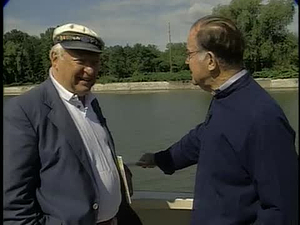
column 89, row 69
column 187, row 61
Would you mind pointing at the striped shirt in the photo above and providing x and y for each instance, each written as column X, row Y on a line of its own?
column 96, row 143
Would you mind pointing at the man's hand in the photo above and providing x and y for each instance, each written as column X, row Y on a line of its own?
column 146, row 161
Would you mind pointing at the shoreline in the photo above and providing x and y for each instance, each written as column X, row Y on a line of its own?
column 267, row 83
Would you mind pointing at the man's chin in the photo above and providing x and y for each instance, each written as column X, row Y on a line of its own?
column 204, row 87
column 194, row 82
column 83, row 90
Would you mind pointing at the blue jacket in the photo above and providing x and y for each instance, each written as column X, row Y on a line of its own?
column 247, row 166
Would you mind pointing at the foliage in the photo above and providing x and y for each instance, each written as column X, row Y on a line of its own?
column 183, row 75
column 264, row 26
column 44, row 47
column 278, row 73
column 271, row 50
column 26, row 58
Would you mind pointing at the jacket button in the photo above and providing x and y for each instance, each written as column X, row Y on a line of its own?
column 95, row 206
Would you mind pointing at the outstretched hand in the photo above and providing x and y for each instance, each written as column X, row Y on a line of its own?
column 146, row 161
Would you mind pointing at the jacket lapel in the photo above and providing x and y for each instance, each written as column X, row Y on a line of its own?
column 61, row 118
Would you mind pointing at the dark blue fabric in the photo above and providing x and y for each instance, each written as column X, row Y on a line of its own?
column 247, row 166
column 5, row 2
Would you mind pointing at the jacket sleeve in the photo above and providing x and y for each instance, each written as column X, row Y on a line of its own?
column 271, row 161
column 21, row 168
column 182, row 154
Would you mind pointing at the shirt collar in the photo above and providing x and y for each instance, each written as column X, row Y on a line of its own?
column 230, row 81
column 67, row 95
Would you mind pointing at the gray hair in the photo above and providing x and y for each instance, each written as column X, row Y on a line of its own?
column 58, row 49
column 222, row 37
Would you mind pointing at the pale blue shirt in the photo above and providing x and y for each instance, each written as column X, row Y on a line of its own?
column 96, row 143
column 231, row 80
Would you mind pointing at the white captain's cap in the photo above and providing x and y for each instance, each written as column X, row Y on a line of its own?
column 75, row 36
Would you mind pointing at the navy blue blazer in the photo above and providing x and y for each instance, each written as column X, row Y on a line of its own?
column 47, row 175
column 247, row 166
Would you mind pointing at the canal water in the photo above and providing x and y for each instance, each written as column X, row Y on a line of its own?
column 151, row 121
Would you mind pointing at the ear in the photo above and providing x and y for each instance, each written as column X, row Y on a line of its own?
column 212, row 61
column 54, row 59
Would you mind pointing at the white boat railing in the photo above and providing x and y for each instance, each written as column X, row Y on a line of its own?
column 163, row 208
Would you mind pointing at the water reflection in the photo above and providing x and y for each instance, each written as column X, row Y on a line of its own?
column 152, row 121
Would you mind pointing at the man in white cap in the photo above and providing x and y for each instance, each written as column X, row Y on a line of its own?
column 59, row 158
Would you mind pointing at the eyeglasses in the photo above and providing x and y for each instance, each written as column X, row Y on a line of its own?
column 190, row 55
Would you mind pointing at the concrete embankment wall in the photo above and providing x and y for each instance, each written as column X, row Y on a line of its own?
column 164, row 85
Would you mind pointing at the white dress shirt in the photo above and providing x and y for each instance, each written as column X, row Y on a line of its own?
column 96, row 143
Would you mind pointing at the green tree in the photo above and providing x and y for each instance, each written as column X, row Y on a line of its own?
column 264, row 27
column 22, row 57
column 178, row 56
column 143, row 58
column 117, row 62
column 103, row 66
column 17, row 63
column 44, row 48
column 35, row 56
column 11, row 67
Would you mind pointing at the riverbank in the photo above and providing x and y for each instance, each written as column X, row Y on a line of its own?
column 162, row 85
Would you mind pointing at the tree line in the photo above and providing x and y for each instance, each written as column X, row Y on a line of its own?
column 271, row 49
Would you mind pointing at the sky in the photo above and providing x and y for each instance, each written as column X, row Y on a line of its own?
column 118, row 22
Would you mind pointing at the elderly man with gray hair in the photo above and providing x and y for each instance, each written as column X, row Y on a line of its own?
column 247, row 165
column 60, row 165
